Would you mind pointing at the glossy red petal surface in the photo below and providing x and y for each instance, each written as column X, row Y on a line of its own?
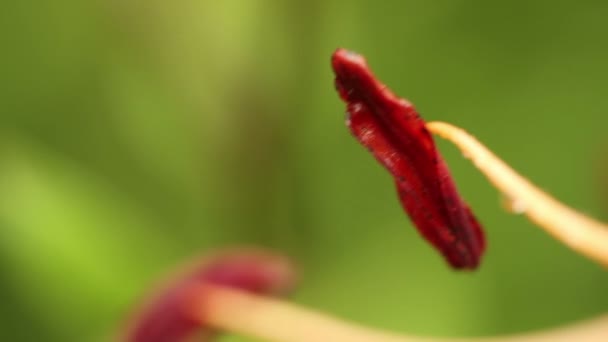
column 395, row 134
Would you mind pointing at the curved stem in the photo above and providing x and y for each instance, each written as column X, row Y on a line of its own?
column 273, row 320
column 579, row 232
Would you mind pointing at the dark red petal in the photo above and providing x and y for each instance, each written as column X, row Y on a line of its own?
column 393, row 131
column 167, row 317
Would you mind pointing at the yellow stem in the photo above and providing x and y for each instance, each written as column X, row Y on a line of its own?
column 273, row 320
column 579, row 232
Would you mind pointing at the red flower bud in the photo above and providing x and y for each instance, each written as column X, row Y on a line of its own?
column 169, row 315
column 395, row 134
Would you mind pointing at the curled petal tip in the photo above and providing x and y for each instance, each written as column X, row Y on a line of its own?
column 343, row 58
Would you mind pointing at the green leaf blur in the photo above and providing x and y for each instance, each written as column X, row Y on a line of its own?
column 135, row 134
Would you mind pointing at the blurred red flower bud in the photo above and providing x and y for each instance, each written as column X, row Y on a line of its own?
column 169, row 317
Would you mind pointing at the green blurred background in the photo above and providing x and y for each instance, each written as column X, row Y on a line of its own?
column 135, row 134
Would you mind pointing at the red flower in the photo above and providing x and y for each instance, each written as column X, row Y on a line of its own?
column 394, row 133
column 169, row 315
